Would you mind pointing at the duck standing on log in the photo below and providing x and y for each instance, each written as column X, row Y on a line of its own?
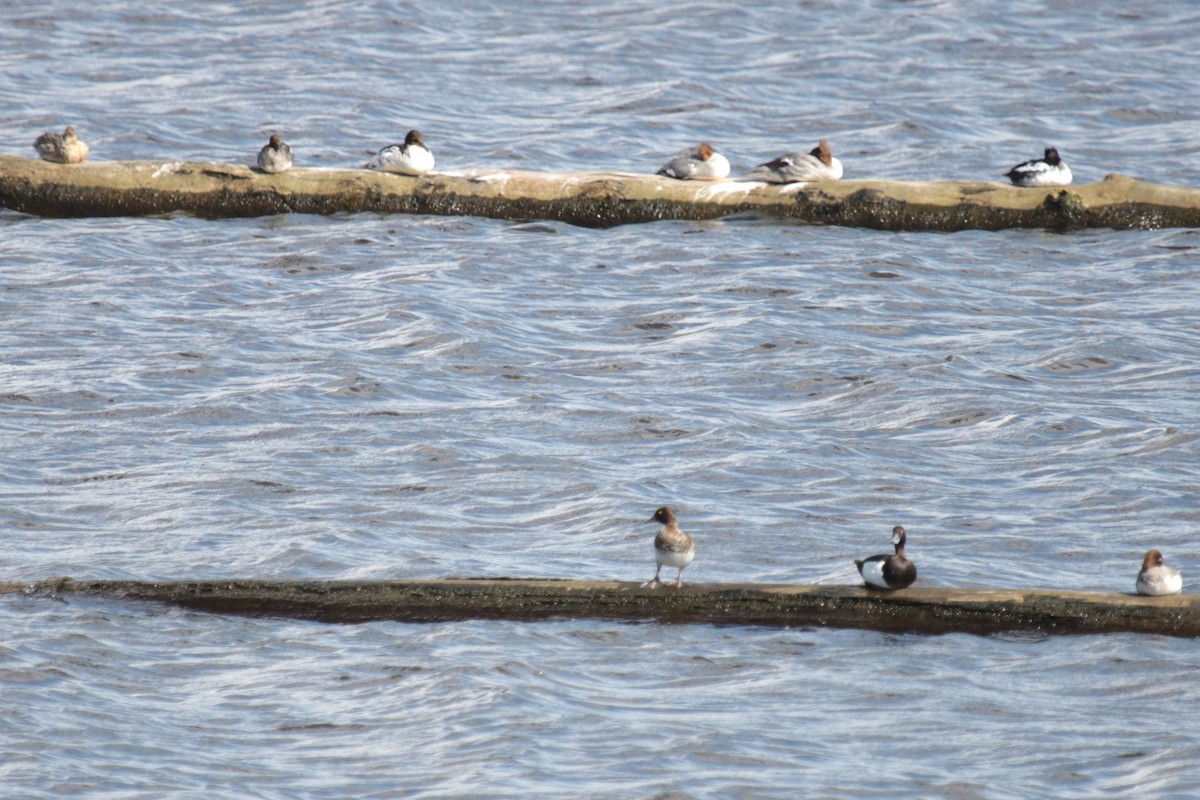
column 62, row 149
column 817, row 164
column 672, row 548
column 1156, row 578
column 275, row 156
column 886, row 571
column 411, row 158
column 1049, row 170
column 697, row 164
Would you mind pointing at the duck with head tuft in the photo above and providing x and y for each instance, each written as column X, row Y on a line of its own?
column 702, row 163
column 1156, row 578
column 889, row 571
column 818, row 164
column 672, row 548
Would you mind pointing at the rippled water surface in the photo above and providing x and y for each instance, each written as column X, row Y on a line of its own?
column 402, row 397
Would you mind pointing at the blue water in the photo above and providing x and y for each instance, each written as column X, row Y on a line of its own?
column 402, row 397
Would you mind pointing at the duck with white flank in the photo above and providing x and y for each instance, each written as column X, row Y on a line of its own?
column 889, row 571
column 1049, row 170
column 697, row 164
column 61, row 149
column 1156, row 578
column 816, row 165
column 410, row 158
column 672, row 548
column 275, row 156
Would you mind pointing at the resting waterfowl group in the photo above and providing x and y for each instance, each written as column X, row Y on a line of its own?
column 702, row 163
column 886, row 571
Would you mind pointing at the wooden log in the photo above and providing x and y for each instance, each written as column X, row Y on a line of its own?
column 213, row 190
column 917, row 610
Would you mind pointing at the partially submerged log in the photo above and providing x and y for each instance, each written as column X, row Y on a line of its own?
column 917, row 610
column 212, row 190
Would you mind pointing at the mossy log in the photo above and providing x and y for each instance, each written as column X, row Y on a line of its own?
column 917, row 610
column 213, row 190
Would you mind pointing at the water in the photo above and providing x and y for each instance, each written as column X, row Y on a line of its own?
column 404, row 397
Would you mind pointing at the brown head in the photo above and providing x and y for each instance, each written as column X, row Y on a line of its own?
column 274, row 142
column 1051, row 158
column 69, row 133
column 898, row 538
column 823, row 153
column 414, row 137
column 706, row 152
column 664, row 516
column 1153, row 559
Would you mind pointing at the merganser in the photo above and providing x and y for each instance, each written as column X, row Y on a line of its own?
column 816, row 165
column 1156, row 578
column 698, row 164
column 275, row 156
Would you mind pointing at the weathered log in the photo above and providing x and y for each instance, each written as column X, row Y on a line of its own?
column 918, row 610
column 213, row 190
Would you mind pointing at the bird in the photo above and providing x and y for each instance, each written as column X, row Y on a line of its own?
column 1049, row 170
column 817, row 164
column 275, row 156
column 411, row 158
column 64, row 149
column 698, row 164
column 889, row 571
column 1156, row 578
column 672, row 547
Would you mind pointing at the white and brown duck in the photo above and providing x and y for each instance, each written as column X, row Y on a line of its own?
column 64, row 148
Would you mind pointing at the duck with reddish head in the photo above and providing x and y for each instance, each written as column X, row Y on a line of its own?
column 275, row 156
column 696, row 164
column 1157, row 578
column 817, row 164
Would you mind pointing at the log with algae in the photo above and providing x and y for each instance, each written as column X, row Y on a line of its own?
column 918, row 610
column 213, row 190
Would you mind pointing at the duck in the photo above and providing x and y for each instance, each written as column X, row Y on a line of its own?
column 275, row 156
column 889, row 571
column 817, row 164
column 696, row 164
column 1156, row 578
column 672, row 548
column 1049, row 170
column 64, row 149
column 411, row 158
